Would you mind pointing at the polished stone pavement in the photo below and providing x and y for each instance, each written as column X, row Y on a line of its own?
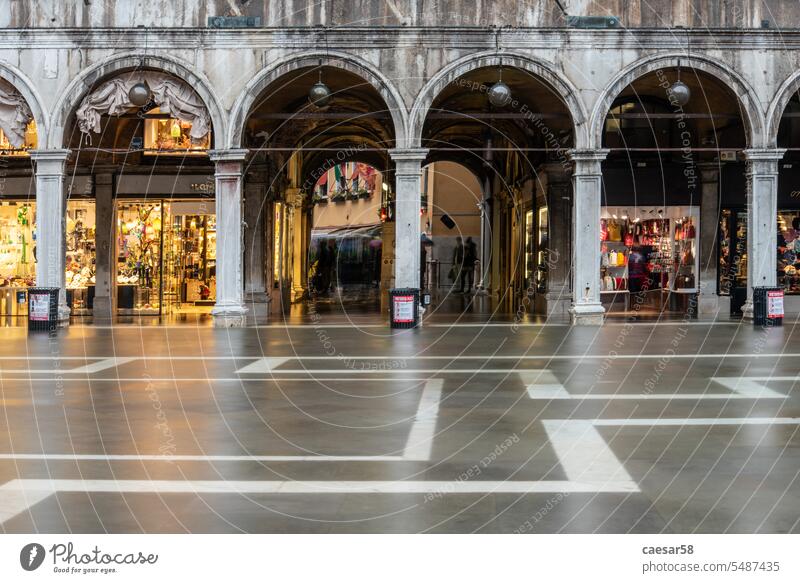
column 341, row 426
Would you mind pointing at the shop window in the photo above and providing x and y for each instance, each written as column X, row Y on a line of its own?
column 190, row 250
column 139, row 247
column 789, row 251
column 542, row 248
column 650, row 252
column 31, row 141
column 81, row 253
column 17, row 245
column 168, row 136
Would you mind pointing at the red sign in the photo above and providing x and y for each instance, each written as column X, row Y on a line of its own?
column 775, row 304
column 40, row 307
column 403, row 309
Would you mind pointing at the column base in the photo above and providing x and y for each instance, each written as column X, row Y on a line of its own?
column 102, row 310
column 258, row 308
column 229, row 316
column 747, row 310
column 63, row 315
column 587, row 314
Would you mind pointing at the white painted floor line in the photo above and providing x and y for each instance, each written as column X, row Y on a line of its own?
column 742, row 388
column 263, row 365
column 104, row 364
column 313, row 487
column 584, row 454
column 420, row 439
column 198, row 458
column 15, row 498
column 672, row 422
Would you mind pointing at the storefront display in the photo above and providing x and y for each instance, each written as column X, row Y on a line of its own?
column 169, row 136
column 17, row 244
column 649, row 249
column 79, row 263
column 542, row 245
column 789, row 251
column 190, row 256
column 732, row 251
column 139, row 246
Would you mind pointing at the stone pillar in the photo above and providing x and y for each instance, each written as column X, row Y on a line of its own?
column 483, row 286
column 708, row 300
column 229, row 310
column 762, row 217
column 51, row 243
column 559, row 252
column 587, row 181
column 105, row 227
column 256, row 212
column 408, row 171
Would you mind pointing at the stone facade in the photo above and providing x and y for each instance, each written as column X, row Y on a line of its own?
column 409, row 52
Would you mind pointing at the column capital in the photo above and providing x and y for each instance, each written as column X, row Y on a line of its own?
column 764, row 154
column 234, row 155
column 49, row 155
column 588, row 155
column 408, row 154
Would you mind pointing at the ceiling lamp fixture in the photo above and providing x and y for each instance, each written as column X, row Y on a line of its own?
column 499, row 93
column 319, row 94
column 139, row 94
column 680, row 94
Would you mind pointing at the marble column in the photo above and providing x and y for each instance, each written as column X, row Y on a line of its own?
column 762, row 217
column 105, row 258
column 558, row 253
column 256, row 211
column 229, row 310
column 587, row 182
column 408, row 171
column 708, row 299
column 51, row 224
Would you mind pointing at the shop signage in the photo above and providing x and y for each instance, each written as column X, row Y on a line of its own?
column 40, row 307
column 403, row 309
column 20, row 297
column 775, row 304
column 205, row 187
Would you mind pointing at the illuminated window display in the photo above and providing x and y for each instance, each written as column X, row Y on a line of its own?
column 80, row 259
column 789, row 251
column 190, row 250
column 17, row 241
column 649, row 249
column 163, row 135
column 31, row 141
column 139, row 245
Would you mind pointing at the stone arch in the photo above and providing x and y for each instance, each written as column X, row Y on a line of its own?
column 777, row 107
column 753, row 117
column 27, row 89
column 356, row 65
column 544, row 70
column 88, row 78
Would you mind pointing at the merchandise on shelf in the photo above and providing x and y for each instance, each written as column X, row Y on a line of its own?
column 79, row 266
column 17, row 244
column 789, row 251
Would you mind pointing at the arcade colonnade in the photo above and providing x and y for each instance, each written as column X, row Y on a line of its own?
column 230, row 157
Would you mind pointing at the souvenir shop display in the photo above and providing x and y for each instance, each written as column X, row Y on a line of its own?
column 789, row 251
column 732, row 271
column 139, row 243
column 165, row 134
column 17, row 244
column 191, row 258
column 79, row 265
column 645, row 249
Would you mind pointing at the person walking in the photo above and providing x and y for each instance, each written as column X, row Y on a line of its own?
column 456, row 272
column 468, row 269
